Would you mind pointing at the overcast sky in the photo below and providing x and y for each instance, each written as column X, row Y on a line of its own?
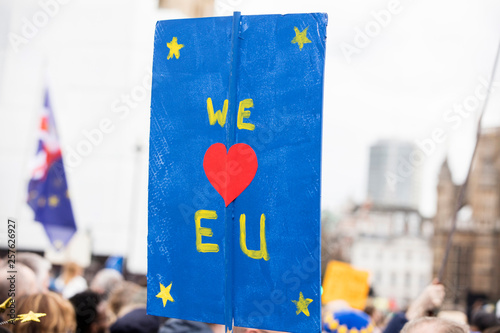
column 429, row 56
column 424, row 58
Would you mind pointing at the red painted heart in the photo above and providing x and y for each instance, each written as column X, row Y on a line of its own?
column 230, row 173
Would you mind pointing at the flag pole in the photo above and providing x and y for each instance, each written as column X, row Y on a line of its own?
column 463, row 189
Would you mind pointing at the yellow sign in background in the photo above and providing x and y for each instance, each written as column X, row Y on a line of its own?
column 344, row 282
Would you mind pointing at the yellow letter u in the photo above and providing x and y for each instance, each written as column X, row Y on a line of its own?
column 260, row 254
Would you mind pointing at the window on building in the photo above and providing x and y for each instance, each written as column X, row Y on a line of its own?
column 394, row 279
column 422, row 283
column 407, row 280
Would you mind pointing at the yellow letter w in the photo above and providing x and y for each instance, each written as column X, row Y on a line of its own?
column 217, row 116
column 262, row 253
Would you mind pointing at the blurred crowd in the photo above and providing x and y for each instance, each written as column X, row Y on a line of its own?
column 109, row 303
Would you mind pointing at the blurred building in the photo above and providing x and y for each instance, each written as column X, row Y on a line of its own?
column 472, row 269
column 394, row 174
column 387, row 235
column 394, row 246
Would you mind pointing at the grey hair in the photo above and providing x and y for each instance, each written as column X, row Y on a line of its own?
column 437, row 325
column 38, row 264
column 105, row 281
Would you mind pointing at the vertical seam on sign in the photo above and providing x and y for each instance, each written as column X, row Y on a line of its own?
column 230, row 139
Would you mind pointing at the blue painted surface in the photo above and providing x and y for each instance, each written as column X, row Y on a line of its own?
column 286, row 86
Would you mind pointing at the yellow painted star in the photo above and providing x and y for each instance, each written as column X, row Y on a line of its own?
column 5, row 304
column 53, row 201
column 174, row 48
column 302, row 304
column 30, row 316
column 164, row 294
column 300, row 37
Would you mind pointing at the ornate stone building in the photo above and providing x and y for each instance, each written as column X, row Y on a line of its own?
column 473, row 266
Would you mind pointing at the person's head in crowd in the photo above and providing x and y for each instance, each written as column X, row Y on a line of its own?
column 70, row 271
column 90, row 312
column 25, row 282
column 71, row 281
column 329, row 308
column 123, row 297
column 434, row 325
column 60, row 316
column 375, row 314
column 105, row 281
column 456, row 316
column 347, row 320
column 128, row 302
column 39, row 265
column 482, row 320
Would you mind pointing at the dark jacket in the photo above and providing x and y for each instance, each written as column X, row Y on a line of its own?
column 136, row 321
column 396, row 324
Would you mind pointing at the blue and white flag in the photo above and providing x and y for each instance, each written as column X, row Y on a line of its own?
column 48, row 194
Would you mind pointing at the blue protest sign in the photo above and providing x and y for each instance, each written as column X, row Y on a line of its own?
column 235, row 171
